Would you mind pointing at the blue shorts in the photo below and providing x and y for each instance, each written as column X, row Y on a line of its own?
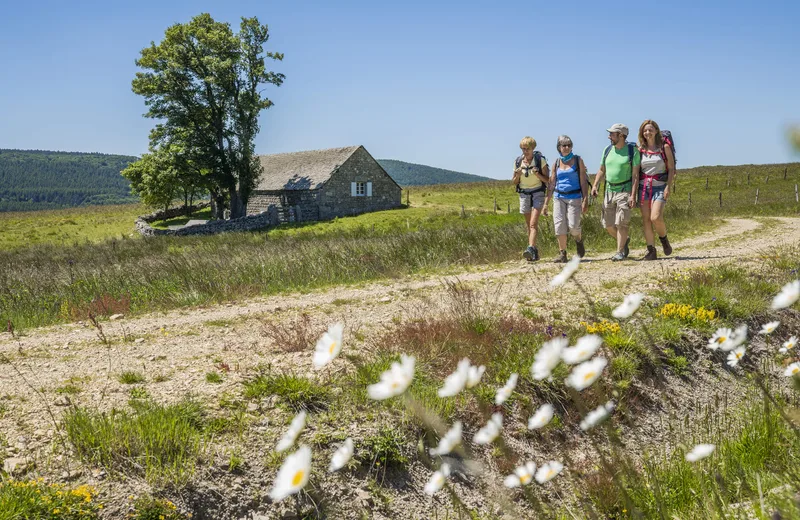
column 649, row 193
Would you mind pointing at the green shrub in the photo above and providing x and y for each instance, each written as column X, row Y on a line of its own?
column 297, row 392
column 36, row 499
column 213, row 377
column 130, row 378
column 148, row 508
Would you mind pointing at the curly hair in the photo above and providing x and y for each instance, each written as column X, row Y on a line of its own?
column 659, row 137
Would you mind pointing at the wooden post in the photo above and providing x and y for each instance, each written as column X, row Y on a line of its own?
column 373, row 227
column 690, row 198
column 706, row 182
column 756, row 195
column 796, row 197
column 495, row 204
column 408, row 224
column 463, row 213
column 408, row 194
column 767, row 181
column 509, row 205
column 720, row 199
column 784, row 173
column 748, row 179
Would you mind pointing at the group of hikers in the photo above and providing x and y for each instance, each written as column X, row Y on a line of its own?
column 635, row 174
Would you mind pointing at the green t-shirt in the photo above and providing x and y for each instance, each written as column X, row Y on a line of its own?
column 618, row 169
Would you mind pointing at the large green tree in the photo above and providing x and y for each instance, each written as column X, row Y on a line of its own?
column 205, row 85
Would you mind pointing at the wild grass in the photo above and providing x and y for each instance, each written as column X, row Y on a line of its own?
column 159, row 443
column 38, row 499
column 295, row 391
column 131, row 377
column 150, row 508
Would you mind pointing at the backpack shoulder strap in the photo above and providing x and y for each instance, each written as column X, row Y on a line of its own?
column 605, row 153
column 518, row 161
column 537, row 160
column 631, row 151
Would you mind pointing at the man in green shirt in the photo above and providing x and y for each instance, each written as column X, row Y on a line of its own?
column 620, row 168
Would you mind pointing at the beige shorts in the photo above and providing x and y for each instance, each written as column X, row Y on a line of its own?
column 530, row 201
column 616, row 211
column 567, row 216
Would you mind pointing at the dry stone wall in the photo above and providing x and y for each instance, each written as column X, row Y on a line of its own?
column 249, row 223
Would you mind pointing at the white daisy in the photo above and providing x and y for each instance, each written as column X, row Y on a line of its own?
column 394, row 381
column 293, row 475
column 504, row 393
column 342, row 455
column 474, row 376
column 437, row 479
column 329, row 346
column 721, row 337
column 769, row 328
column 548, row 357
column 566, row 273
column 739, row 337
column 583, row 375
column 541, row 418
column 522, row 475
column 788, row 295
column 450, row 440
column 793, row 369
column 548, row 471
column 597, row 416
column 489, row 433
column 584, row 349
column 736, row 355
column 629, row 306
column 455, row 382
column 700, row 451
column 298, row 423
column 788, row 345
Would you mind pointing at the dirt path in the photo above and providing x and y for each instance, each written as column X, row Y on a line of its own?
column 175, row 350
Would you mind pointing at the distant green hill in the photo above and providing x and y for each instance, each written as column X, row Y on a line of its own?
column 410, row 174
column 35, row 179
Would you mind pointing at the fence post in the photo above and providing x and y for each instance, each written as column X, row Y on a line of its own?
column 748, row 179
column 706, row 182
column 690, row 198
column 509, row 205
column 408, row 194
column 720, row 199
column 784, row 173
column 463, row 213
column 756, row 195
column 495, row 204
column 767, row 181
column 796, row 195
column 408, row 224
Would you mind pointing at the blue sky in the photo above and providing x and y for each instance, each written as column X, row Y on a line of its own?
column 454, row 85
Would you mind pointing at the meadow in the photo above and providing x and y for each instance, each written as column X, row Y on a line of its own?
column 61, row 265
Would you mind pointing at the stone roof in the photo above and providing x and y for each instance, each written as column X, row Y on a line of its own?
column 301, row 170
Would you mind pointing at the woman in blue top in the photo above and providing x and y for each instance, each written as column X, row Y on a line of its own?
column 571, row 187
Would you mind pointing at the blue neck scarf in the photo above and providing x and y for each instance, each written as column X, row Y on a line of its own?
column 565, row 158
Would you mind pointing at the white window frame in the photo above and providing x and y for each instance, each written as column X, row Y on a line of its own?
column 359, row 189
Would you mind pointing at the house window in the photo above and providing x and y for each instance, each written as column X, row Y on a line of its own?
column 361, row 189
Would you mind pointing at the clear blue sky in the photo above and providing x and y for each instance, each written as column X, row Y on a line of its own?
column 454, row 85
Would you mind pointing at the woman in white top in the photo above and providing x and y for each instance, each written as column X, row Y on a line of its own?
column 656, row 175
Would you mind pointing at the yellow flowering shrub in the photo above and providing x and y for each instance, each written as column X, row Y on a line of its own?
column 601, row 327
column 37, row 499
column 685, row 312
column 148, row 508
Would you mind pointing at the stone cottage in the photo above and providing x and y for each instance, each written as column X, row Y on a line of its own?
column 323, row 184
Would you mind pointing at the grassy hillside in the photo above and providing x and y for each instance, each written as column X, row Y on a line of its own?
column 410, row 174
column 35, row 180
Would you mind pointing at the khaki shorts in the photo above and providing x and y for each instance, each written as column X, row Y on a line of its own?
column 528, row 201
column 567, row 216
column 616, row 211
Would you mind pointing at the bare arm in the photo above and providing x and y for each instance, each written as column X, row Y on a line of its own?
column 584, row 180
column 601, row 173
column 670, row 170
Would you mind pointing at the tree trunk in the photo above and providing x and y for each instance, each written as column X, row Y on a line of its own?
column 237, row 204
column 217, row 205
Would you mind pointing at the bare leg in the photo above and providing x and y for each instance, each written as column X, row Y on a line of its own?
column 533, row 226
column 647, row 226
column 657, row 218
column 528, row 226
column 562, row 242
column 622, row 236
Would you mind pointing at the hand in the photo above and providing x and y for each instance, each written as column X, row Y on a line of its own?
column 666, row 193
column 585, row 206
column 631, row 201
column 544, row 210
column 594, row 191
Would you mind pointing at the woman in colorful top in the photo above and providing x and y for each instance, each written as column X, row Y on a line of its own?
column 656, row 176
column 530, row 177
column 571, row 187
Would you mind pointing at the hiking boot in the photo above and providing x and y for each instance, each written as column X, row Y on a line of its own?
column 580, row 248
column 617, row 257
column 651, row 253
column 531, row 254
column 561, row 258
column 625, row 250
column 666, row 245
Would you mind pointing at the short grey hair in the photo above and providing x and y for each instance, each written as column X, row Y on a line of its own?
column 563, row 139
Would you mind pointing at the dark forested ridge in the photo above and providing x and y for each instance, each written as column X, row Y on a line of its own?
column 35, row 179
column 410, row 174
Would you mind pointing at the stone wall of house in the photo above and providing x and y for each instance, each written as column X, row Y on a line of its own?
column 335, row 198
column 294, row 205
